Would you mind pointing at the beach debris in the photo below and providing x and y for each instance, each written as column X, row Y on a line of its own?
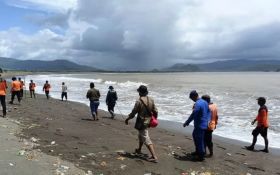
column 103, row 163
column 184, row 173
column 120, row 158
column 178, row 147
column 11, row 164
column 83, row 156
column 91, row 154
column 89, row 172
column 53, row 142
column 4, row 126
column 120, row 151
column 61, row 170
column 123, row 166
column 228, row 154
column 248, row 174
column 33, row 139
column 148, row 174
column 51, row 151
column 21, row 152
column 173, row 152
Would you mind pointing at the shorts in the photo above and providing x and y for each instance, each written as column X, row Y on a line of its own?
column 259, row 130
column 144, row 137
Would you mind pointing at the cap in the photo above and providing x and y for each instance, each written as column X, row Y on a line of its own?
column 193, row 93
column 111, row 87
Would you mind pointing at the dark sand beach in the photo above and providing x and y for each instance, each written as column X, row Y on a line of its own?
column 65, row 130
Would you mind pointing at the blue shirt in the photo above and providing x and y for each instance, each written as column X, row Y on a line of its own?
column 201, row 115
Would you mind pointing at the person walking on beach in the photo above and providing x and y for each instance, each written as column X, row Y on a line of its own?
column 212, row 124
column 93, row 95
column 46, row 88
column 262, row 126
column 3, row 91
column 32, row 86
column 111, row 99
column 21, row 87
column 64, row 91
column 15, row 89
column 201, row 117
column 143, row 108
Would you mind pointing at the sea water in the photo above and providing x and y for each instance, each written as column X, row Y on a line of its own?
column 234, row 93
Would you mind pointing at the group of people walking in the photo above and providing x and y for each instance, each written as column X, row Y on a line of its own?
column 204, row 115
column 17, row 90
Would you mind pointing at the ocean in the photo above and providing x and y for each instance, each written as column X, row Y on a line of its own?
column 234, row 93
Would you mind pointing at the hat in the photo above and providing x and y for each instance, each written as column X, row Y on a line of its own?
column 143, row 90
column 111, row 87
column 193, row 93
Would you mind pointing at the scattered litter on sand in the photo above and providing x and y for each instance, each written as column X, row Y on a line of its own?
column 229, row 154
column 21, row 152
column 123, row 166
column 103, row 164
column 120, row 158
column 33, row 139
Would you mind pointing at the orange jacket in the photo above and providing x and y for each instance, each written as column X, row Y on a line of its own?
column 32, row 86
column 214, row 117
column 262, row 117
column 3, row 87
column 16, row 86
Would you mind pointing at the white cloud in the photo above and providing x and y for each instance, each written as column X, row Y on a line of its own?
column 60, row 6
column 148, row 34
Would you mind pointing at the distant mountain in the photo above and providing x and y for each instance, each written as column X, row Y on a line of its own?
column 182, row 68
column 228, row 66
column 37, row 65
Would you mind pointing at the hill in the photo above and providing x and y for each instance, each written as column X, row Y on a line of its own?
column 228, row 66
column 38, row 65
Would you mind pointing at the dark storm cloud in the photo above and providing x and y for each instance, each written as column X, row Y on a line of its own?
column 138, row 32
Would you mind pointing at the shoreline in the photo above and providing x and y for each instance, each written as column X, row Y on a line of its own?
column 64, row 130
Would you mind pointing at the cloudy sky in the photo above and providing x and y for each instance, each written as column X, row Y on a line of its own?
column 139, row 34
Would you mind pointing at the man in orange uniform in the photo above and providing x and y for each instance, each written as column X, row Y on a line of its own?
column 21, row 87
column 46, row 88
column 3, row 87
column 262, row 125
column 15, row 90
column 212, row 124
column 32, row 88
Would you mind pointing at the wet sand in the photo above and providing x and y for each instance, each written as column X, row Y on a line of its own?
column 65, row 130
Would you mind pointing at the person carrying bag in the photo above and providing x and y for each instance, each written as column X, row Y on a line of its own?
column 143, row 107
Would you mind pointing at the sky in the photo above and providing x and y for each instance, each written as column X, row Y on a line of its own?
column 139, row 34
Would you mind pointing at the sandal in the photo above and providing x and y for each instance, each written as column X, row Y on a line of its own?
column 137, row 151
column 151, row 159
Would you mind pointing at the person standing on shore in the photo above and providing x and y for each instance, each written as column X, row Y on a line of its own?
column 21, row 87
column 212, row 124
column 93, row 95
column 63, row 91
column 142, row 121
column 262, row 125
column 3, row 91
column 46, row 88
column 201, row 117
column 111, row 99
column 15, row 89
column 32, row 88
